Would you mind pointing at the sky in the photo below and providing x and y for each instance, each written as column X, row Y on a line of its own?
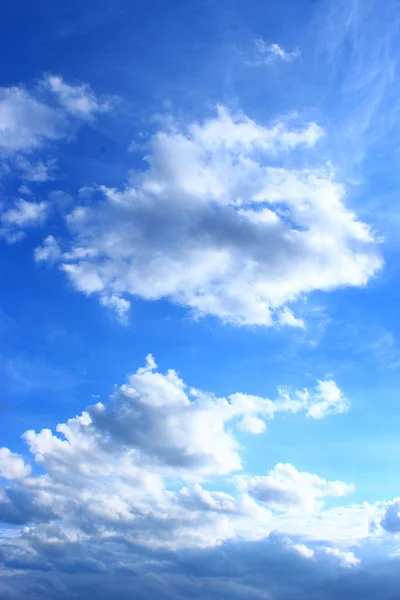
column 200, row 334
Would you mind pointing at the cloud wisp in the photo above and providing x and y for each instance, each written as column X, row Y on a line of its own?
column 268, row 54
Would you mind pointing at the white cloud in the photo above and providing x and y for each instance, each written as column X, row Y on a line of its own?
column 110, row 465
column 252, row 425
column 22, row 215
column 347, row 559
column 119, row 305
column 303, row 550
column 286, row 488
column 26, row 122
column 12, row 465
column 29, row 119
column 286, row 317
column 119, row 491
column 267, row 54
column 329, row 400
column 77, row 100
column 212, row 225
column 49, row 251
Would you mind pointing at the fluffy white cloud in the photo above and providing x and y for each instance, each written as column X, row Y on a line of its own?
column 214, row 226
column 286, row 488
column 21, row 215
column 78, row 100
column 49, row 251
column 347, row 559
column 252, row 424
column 107, row 470
column 303, row 550
column 329, row 400
column 286, row 317
column 134, row 478
column 26, row 122
column 28, row 119
column 326, row 399
column 165, row 424
column 120, row 305
column 129, row 487
column 12, row 466
column 24, row 213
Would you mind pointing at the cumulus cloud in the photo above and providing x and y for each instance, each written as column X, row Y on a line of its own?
column 327, row 399
column 284, row 487
column 165, row 424
column 12, row 466
column 22, row 214
column 304, row 550
column 252, row 424
column 19, row 506
column 261, row 570
column 134, row 486
column 120, row 305
column 108, row 467
column 215, row 226
column 347, row 559
column 391, row 519
column 77, row 100
column 26, row 122
column 29, row 121
column 30, row 118
column 49, row 251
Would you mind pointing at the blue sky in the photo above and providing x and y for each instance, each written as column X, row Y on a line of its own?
column 213, row 186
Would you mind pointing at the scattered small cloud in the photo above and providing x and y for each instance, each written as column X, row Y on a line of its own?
column 268, row 54
column 49, row 251
column 36, row 172
column 78, row 100
column 21, row 215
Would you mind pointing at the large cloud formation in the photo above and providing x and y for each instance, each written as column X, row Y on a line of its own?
column 132, row 491
column 217, row 223
column 146, row 494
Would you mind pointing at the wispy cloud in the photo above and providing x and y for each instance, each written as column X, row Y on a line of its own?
column 24, row 374
column 357, row 51
column 267, row 54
